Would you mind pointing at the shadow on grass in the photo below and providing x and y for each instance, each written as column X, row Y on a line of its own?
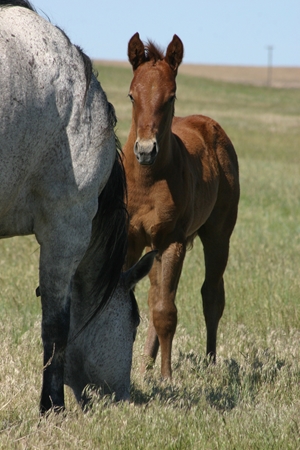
column 166, row 394
column 222, row 386
column 226, row 395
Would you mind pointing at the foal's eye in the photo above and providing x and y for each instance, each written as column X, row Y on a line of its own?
column 172, row 98
column 131, row 98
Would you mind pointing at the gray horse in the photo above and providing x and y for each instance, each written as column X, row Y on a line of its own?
column 61, row 179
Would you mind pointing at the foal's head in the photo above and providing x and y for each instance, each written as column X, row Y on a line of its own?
column 152, row 93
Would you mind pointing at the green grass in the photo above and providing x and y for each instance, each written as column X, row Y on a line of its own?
column 250, row 399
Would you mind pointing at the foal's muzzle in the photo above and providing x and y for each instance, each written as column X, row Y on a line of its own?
column 146, row 151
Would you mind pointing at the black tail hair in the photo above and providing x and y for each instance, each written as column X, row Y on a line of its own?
column 109, row 232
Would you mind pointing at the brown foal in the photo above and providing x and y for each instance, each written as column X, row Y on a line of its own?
column 182, row 176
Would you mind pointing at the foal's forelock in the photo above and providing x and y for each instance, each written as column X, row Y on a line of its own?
column 153, row 52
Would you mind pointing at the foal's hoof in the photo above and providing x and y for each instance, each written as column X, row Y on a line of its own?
column 211, row 358
column 147, row 365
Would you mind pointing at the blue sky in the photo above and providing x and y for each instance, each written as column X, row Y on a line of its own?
column 234, row 32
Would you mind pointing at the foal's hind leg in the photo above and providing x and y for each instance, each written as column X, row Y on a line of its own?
column 216, row 249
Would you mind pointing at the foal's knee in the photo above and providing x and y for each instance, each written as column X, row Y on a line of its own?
column 165, row 320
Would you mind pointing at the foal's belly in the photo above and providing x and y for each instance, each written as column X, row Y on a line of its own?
column 160, row 227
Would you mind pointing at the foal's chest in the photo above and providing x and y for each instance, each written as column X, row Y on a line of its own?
column 153, row 215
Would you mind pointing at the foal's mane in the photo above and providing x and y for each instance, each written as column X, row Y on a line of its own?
column 153, row 52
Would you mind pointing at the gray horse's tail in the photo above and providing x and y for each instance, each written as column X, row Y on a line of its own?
column 105, row 256
column 109, row 233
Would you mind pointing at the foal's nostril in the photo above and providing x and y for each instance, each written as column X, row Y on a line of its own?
column 136, row 146
column 153, row 153
column 145, row 151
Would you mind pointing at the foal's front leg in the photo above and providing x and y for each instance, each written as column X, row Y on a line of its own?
column 163, row 312
column 152, row 343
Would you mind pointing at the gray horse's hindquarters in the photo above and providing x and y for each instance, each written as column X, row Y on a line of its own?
column 58, row 153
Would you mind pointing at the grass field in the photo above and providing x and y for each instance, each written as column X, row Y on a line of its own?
column 251, row 398
column 282, row 77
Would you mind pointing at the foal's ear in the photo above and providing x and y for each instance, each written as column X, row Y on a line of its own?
column 174, row 53
column 136, row 51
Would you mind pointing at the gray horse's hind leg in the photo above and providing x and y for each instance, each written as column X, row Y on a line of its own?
column 54, row 335
column 60, row 255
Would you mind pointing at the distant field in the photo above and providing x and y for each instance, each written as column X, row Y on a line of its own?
column 282, row 77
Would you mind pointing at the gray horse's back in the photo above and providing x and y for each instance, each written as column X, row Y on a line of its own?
column 54, row 129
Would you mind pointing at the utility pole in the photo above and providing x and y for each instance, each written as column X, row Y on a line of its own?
column 269, row 74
